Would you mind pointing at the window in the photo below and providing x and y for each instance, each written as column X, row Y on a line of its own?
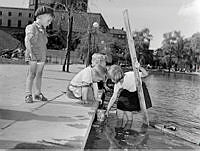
column 0, row 22
column 9, row 14
column 19, row 23
column 20, row 14
column 29, row 22
column 30, row 15
column 1, row 13
column 9, row 23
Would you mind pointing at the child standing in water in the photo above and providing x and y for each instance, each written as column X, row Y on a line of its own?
column 125, row 92
column 35, row 42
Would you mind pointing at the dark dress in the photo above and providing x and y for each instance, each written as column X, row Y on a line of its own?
column 129, row 101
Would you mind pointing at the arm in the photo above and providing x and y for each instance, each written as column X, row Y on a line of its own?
column 30, row 40
column 113, row 98
column 144, row 72
column 95, row 90
column 84, row 92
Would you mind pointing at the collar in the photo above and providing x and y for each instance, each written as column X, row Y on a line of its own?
column 40, row 27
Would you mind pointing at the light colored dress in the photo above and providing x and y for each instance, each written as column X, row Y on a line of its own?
column 82, row 79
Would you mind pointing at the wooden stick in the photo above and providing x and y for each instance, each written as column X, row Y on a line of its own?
column 136, row 71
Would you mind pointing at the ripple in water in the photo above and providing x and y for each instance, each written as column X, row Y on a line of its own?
column 176, row 101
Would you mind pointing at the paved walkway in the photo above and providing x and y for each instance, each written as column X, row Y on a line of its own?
column 59, row 123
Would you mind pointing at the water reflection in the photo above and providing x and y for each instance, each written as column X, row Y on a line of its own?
column 176, row 101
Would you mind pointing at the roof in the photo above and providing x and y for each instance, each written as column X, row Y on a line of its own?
column 81, row 21
column 117, row 31
column 16, row 8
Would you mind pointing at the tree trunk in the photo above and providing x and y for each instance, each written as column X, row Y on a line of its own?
column 69, row 35
column 89, row 49
column 36, row 7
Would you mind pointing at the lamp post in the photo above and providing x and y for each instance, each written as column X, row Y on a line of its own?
column 95, row 25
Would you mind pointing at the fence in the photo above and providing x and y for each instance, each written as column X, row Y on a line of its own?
column 58, row 57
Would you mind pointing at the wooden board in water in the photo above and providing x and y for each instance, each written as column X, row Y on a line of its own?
column 179, row 133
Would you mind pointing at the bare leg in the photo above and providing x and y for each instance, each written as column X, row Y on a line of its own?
column 31, row 76
column 129, row 119
column 120, row 117
column 38, row 78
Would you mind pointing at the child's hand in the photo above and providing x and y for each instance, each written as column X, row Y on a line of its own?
column 137, row 65
column 99, row 100
column 32, row 57
column 107, row 88
column 85, row 102
column 107, row 112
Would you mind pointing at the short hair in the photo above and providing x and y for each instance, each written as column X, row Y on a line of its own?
column 44, row 10
column 98, row 59
column 100, row 71
column 116, row 73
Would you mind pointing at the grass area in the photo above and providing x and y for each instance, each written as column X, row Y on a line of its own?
column 11, row 61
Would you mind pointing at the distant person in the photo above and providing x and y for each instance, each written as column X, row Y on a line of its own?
column 83, row 86
column 35, row 55
column 125, row 92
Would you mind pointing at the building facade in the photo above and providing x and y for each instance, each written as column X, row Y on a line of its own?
column 16, row 19
column 118, row 33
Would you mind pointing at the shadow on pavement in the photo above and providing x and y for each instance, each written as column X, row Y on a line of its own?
column 57, row 79
column 33, row 146
column 26, row 116
column 62, row 71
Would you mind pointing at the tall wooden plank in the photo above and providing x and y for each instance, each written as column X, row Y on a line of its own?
column 136, row 71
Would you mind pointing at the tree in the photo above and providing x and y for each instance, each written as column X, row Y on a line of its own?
column 187, row 54
column 169, row 46
column 142, row 42
column 100, row 42
column 195, row 45
column 179, row 45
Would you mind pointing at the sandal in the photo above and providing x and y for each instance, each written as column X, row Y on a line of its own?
column 41, row 97
column 29, row 99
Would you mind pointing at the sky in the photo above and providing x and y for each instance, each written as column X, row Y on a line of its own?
column 160, row 16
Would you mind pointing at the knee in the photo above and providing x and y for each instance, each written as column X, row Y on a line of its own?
column 120, row 114
column 32, row 75
column 39, row 74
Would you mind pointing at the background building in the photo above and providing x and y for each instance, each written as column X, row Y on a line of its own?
column 14, row 20
column 118, row 33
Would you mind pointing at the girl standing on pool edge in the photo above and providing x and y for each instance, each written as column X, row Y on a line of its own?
column 35, row 42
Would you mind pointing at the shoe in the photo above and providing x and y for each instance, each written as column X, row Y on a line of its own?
column 41, row 97
column 29, row 99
